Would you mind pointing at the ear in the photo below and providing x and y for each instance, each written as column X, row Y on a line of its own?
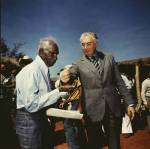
column 97, row 44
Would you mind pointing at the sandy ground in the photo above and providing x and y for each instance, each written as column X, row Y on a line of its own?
column 140, row 140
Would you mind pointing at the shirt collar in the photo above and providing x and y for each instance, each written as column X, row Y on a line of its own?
column 94, row 56
column 41, row 64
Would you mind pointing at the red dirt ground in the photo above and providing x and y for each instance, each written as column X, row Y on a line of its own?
column 140, row 140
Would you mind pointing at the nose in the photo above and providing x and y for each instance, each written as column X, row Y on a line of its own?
column 85, row 46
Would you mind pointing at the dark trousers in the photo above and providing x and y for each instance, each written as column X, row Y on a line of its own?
column 75, row 134
column 74, row 131
column 7, row 132
column 33, row 130
column 110, row 133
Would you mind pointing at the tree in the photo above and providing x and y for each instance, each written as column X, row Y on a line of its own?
column 6, row 51
column 14, row 51
column 3, row 47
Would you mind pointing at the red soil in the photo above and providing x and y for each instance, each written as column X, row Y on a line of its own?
column 140, row 140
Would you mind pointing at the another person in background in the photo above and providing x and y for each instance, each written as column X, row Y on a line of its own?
column 8, row 139
column 101, row 104
column 74, row 131
column 145, row 94
column 10, row 84
column 129, row 83
column 34, row 95
column 127, row 130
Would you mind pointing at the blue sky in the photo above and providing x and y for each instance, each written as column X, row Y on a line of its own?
column 123, row 26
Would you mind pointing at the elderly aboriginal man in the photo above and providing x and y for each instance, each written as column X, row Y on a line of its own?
column 34, row 96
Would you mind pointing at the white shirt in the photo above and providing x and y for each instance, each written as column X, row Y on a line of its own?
column 145, row 87
column 127, row 82
column 33, row 87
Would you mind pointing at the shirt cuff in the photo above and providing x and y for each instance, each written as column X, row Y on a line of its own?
column 131, row 105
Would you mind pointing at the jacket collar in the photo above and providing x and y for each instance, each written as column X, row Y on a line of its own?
column 41, row 64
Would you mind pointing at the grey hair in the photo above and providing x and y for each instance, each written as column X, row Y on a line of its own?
column 90, row 34
column 47, row 42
